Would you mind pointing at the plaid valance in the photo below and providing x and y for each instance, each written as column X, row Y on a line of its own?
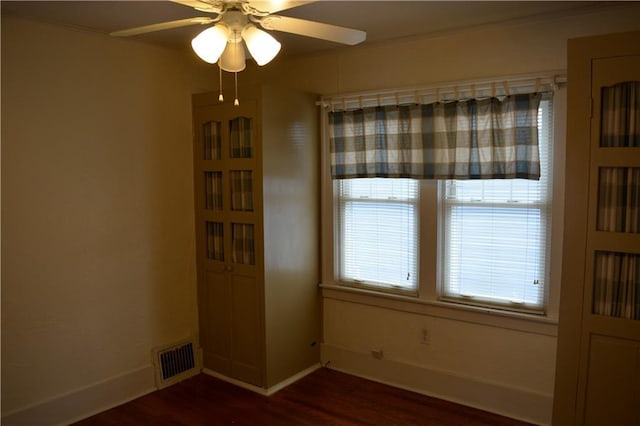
column 474, row 139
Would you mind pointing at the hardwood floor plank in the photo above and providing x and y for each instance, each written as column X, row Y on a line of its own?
column 325, row 397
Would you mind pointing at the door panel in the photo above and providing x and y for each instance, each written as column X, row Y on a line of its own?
column 228, row 211
column 597, row 372
column 246, row 329
column 608, row 381
column 613, row 382
column 215, row 327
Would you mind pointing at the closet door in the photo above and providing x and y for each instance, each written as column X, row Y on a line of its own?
column 212, row 230
column 244, row 266
column 227, row 228
column 609, row 384
column 598, row 363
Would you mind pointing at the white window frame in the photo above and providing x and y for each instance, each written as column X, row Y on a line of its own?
column 345, row 256
column 543, row 204
column 427, row 301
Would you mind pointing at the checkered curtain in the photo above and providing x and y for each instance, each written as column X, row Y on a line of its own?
column 619, row 187
column 212, row 140
column 213, row 190
column 621, row 115
column 241, row 190
column 619, row 199
column 240, row 138
column 617, row 275
column 243, row 244
column 617, row 285
column 215, row 241
column 473, row 139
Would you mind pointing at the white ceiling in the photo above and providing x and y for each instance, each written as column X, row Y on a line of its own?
column 382, row 20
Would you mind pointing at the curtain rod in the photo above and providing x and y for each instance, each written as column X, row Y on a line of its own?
column 445, row 92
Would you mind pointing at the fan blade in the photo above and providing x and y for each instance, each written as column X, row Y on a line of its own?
column 162, row 26
column 313, row 29
column 264, row 7
column 203, row 6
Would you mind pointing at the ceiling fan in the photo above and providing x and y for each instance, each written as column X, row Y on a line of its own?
column 236, row 20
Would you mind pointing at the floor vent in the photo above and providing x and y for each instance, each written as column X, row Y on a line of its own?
column 174, row 363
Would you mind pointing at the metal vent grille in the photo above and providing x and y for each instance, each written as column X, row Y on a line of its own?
column 175, row 363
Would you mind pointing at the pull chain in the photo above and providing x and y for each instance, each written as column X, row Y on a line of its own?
column 236, row 102
column 220, row 98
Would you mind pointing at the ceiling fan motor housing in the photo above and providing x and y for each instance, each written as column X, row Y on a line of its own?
column 235, row 21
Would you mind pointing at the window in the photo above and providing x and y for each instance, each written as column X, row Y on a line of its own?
column 494, row 235
column 377, row 227
column 465, row 243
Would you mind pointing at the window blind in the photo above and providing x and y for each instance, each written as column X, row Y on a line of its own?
column 496, row 235
column 378, row 230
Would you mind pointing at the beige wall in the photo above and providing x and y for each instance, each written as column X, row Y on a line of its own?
column 97, row 210
column 510, row 370
column 494, row 50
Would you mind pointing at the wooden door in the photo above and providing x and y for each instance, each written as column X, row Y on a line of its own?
column 598, row 367
column 244, row 226
column 609, row 382
column 227, row 222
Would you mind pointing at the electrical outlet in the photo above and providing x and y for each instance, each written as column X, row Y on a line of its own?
column 426, row 337
column 377, row 353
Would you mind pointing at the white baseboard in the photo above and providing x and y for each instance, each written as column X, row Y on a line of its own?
column 497, row 398
column 283, row 384
column 257, row 389
column 85, row 402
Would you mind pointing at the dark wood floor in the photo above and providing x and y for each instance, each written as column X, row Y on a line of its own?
column 325, row 397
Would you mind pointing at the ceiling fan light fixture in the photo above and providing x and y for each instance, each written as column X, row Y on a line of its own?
column 211, row 43
column 237, row 25
column 262, row 46
column 233, row 58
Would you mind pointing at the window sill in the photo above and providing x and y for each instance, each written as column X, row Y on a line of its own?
column 477, row 315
